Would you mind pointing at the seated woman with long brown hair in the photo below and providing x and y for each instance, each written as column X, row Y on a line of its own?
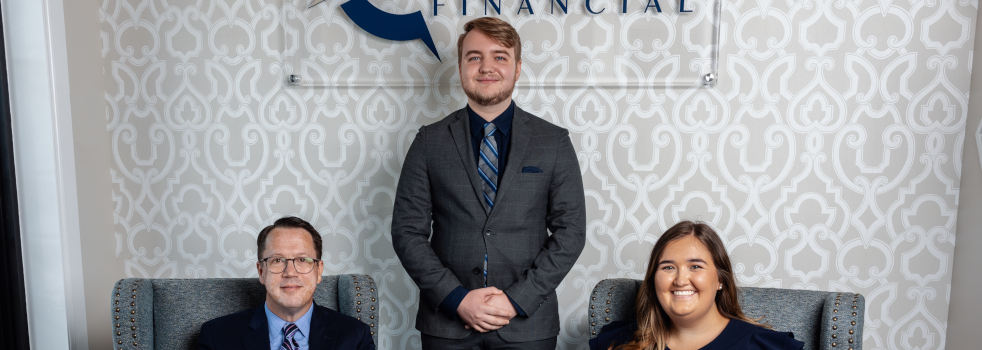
column 689, row 301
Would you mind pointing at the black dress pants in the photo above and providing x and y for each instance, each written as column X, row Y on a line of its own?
column 484, row 341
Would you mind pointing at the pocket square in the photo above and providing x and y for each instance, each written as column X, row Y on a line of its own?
column 531, row 169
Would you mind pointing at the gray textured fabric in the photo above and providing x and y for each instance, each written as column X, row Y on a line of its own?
column 182, row 305
column 358, row 298
column 819, row 319
column 168, row 313
column 842, row 321
column 796, row 311
column 612, row 300
column 131, row 309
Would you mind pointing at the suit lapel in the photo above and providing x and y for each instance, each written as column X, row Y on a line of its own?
column 320, row 336
column 258, row 337
column 517, row 151
column 460, row 129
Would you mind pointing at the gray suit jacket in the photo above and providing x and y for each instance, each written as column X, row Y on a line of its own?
column 440, row 193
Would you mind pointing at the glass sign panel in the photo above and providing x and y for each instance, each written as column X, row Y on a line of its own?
column 615, row 43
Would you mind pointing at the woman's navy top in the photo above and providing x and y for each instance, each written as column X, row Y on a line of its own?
column 737, row 335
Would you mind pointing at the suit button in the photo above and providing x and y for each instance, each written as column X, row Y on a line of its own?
column 476, row 271
column 487, row 233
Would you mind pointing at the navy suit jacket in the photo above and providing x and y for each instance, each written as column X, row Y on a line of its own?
column 249, row 330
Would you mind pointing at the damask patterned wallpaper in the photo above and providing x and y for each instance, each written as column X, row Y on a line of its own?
column 828, row 155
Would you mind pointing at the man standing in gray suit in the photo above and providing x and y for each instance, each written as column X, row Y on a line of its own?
column 479, row 194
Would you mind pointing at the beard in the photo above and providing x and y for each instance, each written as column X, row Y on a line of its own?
column 488, row 98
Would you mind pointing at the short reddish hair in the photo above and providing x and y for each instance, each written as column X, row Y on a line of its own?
column 499, row 31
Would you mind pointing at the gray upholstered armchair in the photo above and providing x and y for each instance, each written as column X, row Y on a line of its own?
column 168, row 313
column 822, row 320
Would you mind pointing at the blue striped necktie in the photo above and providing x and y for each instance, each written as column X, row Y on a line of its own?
column 289, row 343
column 487, row 165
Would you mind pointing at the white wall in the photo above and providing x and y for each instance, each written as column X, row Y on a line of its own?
column 965, row 315
column 98, row 246
column 37, row 66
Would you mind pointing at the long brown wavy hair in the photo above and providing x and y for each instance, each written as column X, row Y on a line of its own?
column 654, row 325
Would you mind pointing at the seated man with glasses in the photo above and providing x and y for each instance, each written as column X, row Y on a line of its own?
column 289, row 319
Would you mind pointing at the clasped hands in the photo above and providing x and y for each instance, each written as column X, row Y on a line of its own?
column 486, row 309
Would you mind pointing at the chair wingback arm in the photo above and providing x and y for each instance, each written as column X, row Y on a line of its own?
column 842, row 321
column 358, row 298
column 132, row 314
column 612, row 300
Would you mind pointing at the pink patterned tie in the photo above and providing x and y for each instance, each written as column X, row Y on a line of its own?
column 288, row 342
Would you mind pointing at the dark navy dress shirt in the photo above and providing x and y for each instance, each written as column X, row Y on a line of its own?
column 501, row 137
column 738, row 335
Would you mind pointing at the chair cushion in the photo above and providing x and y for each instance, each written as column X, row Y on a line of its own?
column 181, row 306
column 787, row 310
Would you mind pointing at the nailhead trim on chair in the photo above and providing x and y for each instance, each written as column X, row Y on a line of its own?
column 370, row 312
column 852, row 324
column 610, row 310
column 371, row 283
column 855, row 300
column 834, row 327
column 119, row 313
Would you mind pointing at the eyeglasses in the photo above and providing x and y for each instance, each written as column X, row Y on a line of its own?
column 278, row 265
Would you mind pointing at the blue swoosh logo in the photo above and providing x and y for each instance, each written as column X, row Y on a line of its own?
column 386, row 25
